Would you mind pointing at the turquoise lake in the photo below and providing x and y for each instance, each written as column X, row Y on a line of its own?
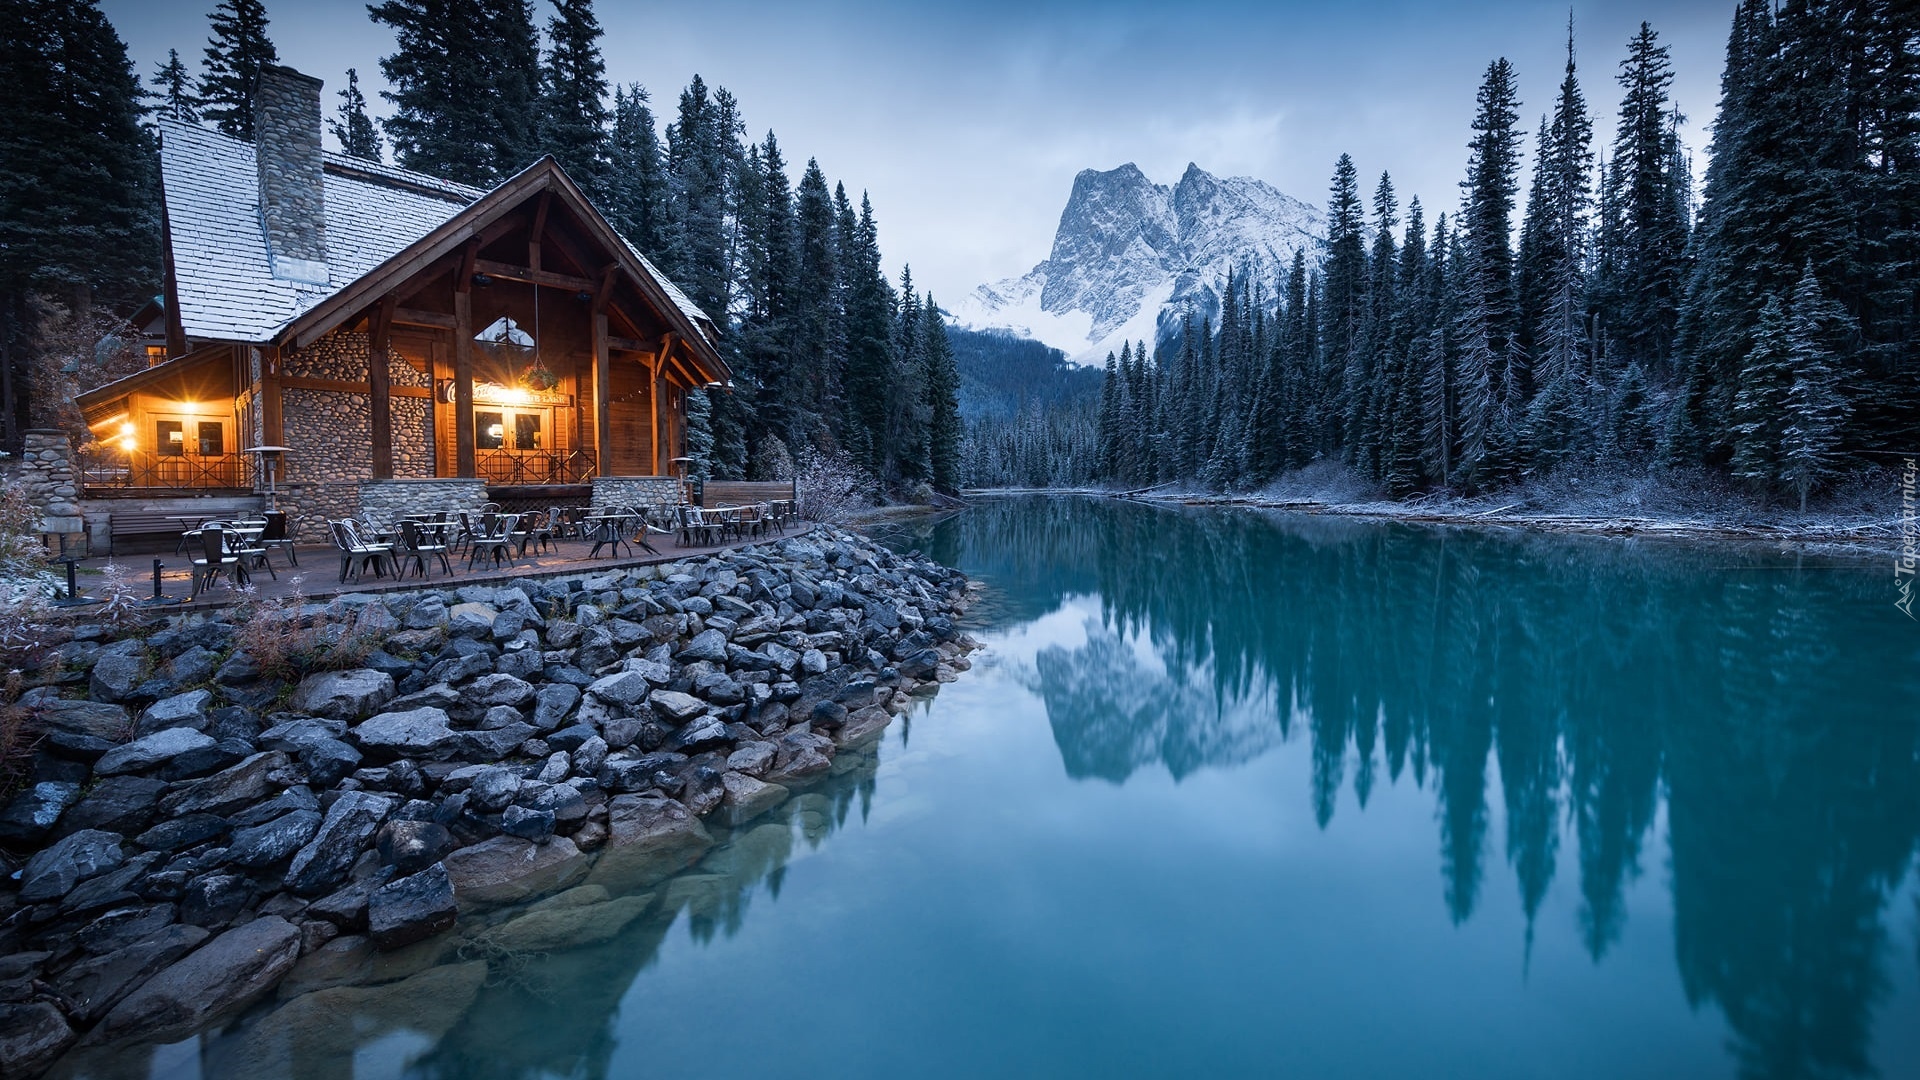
column 1234, row 793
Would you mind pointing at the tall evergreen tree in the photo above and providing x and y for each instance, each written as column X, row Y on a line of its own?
column 944, row 429
column 1343, row 315
column 352, row 126
column 819, row 354
column 573, row 96
column 636, row 192
column 237, row 49
column 1550, row 278
column 510, row 54
column 1815, row 409
column 79, row 213
column 443, row 88
column 1645, row 230
column 177, row 99
column 1492, row 371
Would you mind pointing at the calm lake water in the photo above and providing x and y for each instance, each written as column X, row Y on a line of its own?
column 1245, row 794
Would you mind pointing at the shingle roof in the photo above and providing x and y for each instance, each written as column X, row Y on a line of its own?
column 222, row 271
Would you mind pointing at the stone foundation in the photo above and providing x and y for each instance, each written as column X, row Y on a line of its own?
column 635, row 490
column 389, row 499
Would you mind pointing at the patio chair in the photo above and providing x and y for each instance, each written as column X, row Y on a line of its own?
column 536, row 528
column 610, row 530
column 695, row 523
column 494, row 540
column 421, row 542
column 356, row 553
column 280, row 533
column 246, row 545
column 214, row 559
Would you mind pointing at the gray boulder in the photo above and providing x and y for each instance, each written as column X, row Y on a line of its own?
column 494, row 787
column 152, row 750
column 97, row 984
column 508, row 869
column 33, row 813
column 300, row 732
column 115, row 675
column 32, row 1035
column 93, row 718
column 54, row 871
column 553, row 703
column 409, row 846
column 491, row 690
column 322, row 864
column 710, row 645
column 266, row 845
column 343, row 695
column 121, row 804
column 411, row 909
column 625, row 688
column 415, row 733
column 190, row 709
column 747, row 798
column 228, row 791
column 676, row 706
column 218, row 979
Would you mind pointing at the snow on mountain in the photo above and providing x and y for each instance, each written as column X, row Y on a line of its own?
column 1131, row 257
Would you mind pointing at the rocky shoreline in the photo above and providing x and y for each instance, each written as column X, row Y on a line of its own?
column 199, row 825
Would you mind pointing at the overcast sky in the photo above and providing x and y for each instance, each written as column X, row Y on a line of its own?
column 968, row 121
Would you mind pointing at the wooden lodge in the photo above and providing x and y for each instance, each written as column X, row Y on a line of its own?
column 412, row 343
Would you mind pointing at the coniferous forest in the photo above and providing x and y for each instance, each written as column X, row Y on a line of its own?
column 827, row 352
column 1766, row 328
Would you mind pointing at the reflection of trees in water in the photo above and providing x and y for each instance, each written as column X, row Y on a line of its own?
column 1594, row 673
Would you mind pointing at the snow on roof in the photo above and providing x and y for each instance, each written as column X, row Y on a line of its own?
column 222, row 268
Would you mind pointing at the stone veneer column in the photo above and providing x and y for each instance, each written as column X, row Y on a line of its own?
column 53, row 484
column 635, row 490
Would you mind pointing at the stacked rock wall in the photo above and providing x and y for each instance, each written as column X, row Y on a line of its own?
column 53, row 485
column 635, row 490
column 209, row 816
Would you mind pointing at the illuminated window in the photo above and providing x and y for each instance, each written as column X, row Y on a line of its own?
column 169, row 438
column 489, row 430
column 213, row 439
column 526, row 431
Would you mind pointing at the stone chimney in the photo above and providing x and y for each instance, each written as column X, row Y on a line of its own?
column 293, row 210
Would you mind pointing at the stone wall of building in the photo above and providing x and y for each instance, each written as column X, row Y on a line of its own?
column 635, row 490
column 53, row 485
column 310, row 506
column 390, row 499
column 338, row 426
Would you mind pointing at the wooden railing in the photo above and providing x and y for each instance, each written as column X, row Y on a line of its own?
column 113, row 469
column 514, row 468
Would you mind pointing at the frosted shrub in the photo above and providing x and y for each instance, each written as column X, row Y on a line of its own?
column 832, row 489
column 285, row 644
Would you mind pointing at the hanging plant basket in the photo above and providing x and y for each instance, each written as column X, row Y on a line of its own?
column 540, row 378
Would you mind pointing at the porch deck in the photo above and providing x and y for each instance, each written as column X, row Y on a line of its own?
column 317, row 575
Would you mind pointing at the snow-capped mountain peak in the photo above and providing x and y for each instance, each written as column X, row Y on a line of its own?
column 1131, row 257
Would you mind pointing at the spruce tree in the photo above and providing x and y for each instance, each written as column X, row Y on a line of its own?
column 351, row 125
column 237, row 49
column 819, row 356
column 1815, row 408
column 443, row 88
column 1491, row 372
column 636, row 193
column 79, row 210
column 1551, row 275
column 573, row 96
column 1343, row 315
column 1645, row 234
column 869, row 329
column 176, row 96
column 1759, row 408
column 510, row 56
column 943, row 400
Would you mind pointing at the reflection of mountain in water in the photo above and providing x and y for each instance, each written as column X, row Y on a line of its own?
column 1113, row 712
column 1769, row 703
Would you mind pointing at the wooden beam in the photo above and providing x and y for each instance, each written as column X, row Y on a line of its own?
column 415, row 317
column 510, row 272
column 273, row 426
column 463, row 278
column 604, row 291
column 463, row 382
column 379, row 402
column 344, row 386
column 626, row 344
column 602, row 390
column 539, row 228
column 653, row 410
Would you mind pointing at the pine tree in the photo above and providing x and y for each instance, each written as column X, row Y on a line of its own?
column 351, row 126
column 230, row 69
column 79, row 210
column 177, row 99
column 1814, row 409
column 1491, row 371
column 1645, row 233
column 1551, row 276
column 697, row 163
column 510, row 54
column 1759, row 409
column 699, row 437
column 819, row 356
column 943, row 401
column 636, row 197
column 573, row 96
column 443, row 88
column 1343, row 314
column 869, row 329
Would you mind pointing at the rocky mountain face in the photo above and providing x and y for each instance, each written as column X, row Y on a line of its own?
column 1131, row 257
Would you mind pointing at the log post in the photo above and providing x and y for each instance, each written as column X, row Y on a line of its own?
column 463, row 382
column 379, row 392
column 602, row 388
